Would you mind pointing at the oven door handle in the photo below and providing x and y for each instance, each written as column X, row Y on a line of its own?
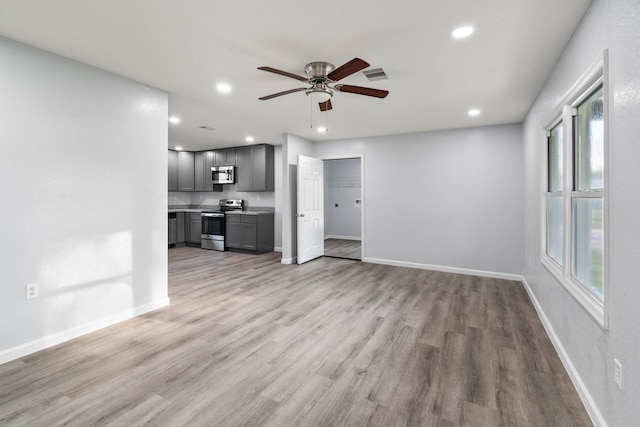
column 213, row 215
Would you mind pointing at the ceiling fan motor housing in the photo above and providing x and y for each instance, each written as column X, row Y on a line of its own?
column 318, row 70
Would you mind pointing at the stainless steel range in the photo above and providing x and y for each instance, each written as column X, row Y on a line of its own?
column 213, row 224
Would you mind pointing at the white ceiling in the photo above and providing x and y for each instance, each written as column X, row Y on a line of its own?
column 187, row 47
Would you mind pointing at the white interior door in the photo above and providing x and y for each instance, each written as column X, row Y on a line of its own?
column 310, row 208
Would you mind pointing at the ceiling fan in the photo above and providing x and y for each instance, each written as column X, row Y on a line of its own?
column 322, row 76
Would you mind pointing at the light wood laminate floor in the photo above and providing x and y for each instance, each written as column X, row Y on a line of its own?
column 248, row 341
column 341, row 248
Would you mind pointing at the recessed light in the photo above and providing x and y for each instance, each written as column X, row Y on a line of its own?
column 174, row 119
column 462, row 32
column 223, row 87
column 474, row 112
column 249, row 139
column 178, row 148
column 322, row 129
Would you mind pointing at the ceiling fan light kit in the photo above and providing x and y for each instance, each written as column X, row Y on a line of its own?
column 320, row 75
column 319, row 94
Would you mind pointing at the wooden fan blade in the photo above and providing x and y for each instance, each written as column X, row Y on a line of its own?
column 353, row 66
column 359, row 90
column 283, row 73
column 326, row 105
column 286, row 92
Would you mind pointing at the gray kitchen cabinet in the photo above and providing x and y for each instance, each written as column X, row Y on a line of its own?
column 250, row 232
column 173, row 170
column 224, row 157
column 244, row 173
column 173, row 231
column 193, row 227
column 202, row 169
column 233, row 231
column 180, row 227
column 255, row 168
column 186, row 171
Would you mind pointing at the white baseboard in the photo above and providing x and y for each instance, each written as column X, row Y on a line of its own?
column 594, row 413
column 469, row 272
column 289, row 260
column 337, row 236
column 277, row 249
column 60, row 337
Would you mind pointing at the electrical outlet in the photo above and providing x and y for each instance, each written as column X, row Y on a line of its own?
column 617, row 373
column 31, row 290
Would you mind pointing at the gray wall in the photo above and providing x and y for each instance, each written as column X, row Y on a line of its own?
column 277, row 159
column 460, row 195
column 342, row 186
column 292, row 146
column 588, row 349
column 84, row 173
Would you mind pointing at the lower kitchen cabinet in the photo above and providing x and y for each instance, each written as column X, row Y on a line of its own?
column 194, row 228
column 250, row 232
column 180, row 238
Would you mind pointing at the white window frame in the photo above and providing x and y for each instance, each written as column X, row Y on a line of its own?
column 596, row 75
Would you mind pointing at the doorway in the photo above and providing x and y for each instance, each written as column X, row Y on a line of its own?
column 343, row 208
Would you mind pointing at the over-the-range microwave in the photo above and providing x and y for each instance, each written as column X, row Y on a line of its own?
column 223, row 174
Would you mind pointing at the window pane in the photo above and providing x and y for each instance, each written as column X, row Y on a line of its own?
column 554, row 228
column 590, row 144
column 588, row 243
column 555, row 158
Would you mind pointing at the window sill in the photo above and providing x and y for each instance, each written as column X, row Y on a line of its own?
column 593, row 306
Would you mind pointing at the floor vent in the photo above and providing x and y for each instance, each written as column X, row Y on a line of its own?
column 373, row 74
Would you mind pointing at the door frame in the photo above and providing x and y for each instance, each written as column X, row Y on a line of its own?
column 362, row 192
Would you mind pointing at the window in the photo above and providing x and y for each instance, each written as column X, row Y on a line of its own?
column 574, row 232
column 587, row 198
column 554, row 194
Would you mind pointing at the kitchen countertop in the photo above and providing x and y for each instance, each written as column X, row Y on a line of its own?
column 187, row 210
column 248, row 211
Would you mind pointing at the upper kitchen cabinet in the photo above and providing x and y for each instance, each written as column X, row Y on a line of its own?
column 203, row 163
column 180, row 171
column 255, row 168
column 173, row 170
column 186, row 171
column 225, row 157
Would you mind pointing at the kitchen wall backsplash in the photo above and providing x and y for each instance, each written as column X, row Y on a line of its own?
column 179, row 199
column 261, row 199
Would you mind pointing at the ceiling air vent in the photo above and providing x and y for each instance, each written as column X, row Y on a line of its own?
column 207, row 128
column 376, row 73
